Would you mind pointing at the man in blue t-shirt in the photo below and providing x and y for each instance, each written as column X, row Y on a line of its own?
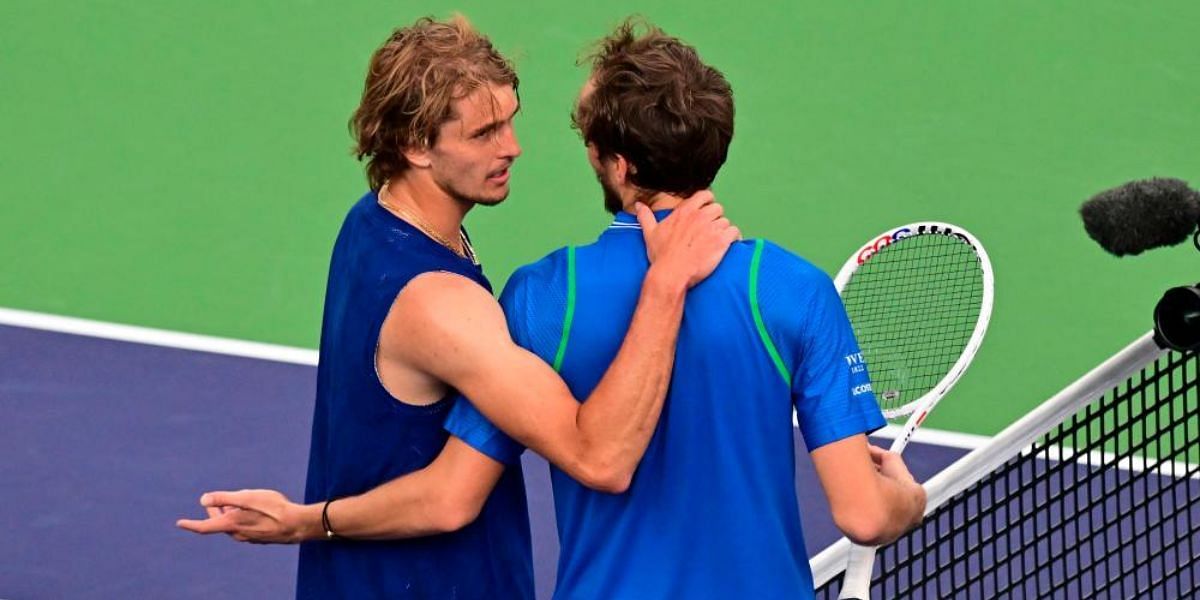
column 711, row 511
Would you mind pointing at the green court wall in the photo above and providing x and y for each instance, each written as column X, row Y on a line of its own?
column 186, row 165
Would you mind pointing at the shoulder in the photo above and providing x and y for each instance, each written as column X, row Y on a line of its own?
column 363, row 209
column 437, row 294
column 540, row 273
column 544, row 268
column 777, row 261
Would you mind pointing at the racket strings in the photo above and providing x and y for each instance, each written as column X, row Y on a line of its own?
column 914, row 305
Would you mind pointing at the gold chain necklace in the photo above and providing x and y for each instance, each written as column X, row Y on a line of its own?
column 464, row 250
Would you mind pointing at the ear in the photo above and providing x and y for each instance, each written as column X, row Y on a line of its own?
column 418, row 156
column 622, row 170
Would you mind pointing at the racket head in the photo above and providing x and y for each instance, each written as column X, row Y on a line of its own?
column 919, row 298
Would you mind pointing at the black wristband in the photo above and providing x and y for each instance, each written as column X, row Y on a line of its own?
column 329, row 534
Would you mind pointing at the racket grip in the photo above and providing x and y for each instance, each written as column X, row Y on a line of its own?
column 901, row 441
column 856, row 581
column 906, row 434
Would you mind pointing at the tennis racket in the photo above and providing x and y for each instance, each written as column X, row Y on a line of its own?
column 919, row 299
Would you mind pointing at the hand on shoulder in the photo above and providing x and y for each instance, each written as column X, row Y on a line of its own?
column 688, row 245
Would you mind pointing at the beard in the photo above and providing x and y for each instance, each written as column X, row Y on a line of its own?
column 612, row 200
column 468, row 198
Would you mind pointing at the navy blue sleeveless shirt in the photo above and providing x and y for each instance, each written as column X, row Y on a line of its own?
column 363, row 437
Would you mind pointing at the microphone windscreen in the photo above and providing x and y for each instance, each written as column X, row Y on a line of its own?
column 1141, row 215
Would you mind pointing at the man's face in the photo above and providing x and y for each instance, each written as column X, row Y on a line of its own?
column 476, row 148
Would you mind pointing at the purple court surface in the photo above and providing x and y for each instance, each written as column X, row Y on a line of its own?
column 106, row 443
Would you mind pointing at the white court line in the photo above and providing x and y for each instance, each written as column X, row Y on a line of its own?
column 928, row 436
column 304, row 356
column 937, row 437
column 1135, row 463
column 157, row 337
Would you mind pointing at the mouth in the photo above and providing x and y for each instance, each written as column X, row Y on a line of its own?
column 499, row 177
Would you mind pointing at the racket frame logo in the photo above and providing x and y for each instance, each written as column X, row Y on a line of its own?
column 882, row 242
column 866, row 252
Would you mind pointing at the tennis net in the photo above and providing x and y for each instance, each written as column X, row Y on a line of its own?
column 1095, row 494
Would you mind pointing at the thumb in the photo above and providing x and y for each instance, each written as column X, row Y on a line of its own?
column 645, row 217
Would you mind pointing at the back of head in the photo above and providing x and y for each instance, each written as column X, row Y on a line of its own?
column 412, row 83
column 657, row 104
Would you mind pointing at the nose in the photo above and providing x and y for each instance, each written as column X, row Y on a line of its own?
column 509, row 147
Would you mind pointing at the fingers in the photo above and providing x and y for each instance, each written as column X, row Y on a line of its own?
column 241, row 525
column 712, row 211
column 728, row 233
column 215, row 499
column 260, row 500
column 890, row 464
column 690, row 243
column 878, row 456
column 699, row 199
column 645, row 217
column 695, row 204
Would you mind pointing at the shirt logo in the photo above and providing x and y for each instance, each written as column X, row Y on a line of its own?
column 855, row 362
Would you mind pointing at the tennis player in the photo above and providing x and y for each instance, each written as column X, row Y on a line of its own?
column 409, row 318
column 711, row 512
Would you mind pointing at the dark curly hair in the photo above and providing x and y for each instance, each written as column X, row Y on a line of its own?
column 657, row 104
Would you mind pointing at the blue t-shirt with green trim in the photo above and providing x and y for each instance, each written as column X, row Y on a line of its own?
column 712, row 510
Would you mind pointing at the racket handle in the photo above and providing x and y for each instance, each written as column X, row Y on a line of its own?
column 906, row 434
column 900, row 442
column 856, row 582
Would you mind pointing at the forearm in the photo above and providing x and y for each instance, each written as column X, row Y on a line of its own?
column 409, row 506
column 619, row 417
column 873, row 496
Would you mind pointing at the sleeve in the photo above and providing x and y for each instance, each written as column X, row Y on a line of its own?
column 831, row 389
column 465, row 421
column 807, row 322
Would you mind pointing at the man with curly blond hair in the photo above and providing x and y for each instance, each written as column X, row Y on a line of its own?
column 410, row 321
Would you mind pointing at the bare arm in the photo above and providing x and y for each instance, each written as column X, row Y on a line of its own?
column 873, row 497
column 450, row 328
column 455, row 331
column 597, row 443
column 444, row 496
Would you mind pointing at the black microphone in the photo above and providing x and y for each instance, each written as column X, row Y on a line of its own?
column 1142, row 215
column 1146, row 214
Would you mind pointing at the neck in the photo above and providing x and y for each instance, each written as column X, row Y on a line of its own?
column 420, row 195
column 656, row 200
